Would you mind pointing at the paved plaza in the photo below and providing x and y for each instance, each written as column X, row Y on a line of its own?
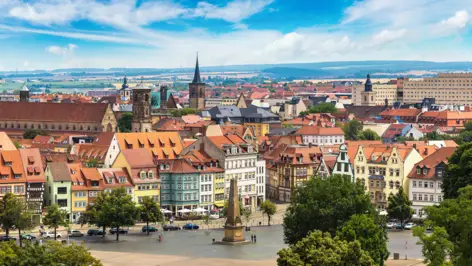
column 198, row 245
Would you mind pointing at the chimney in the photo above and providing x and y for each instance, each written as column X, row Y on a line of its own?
column 425, row 151
column 414, row 146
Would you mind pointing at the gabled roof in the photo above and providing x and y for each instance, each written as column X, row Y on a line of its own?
column 178, row 166
column 430, row 162
column 139, row 158
column 60, row 172
column 113, row 175
column 32, row 165
column 393, row 131
column 14, row 167
column 160, row 143
column 319, row 131
column 87, row 151
column 64, row 112
column 401, row 112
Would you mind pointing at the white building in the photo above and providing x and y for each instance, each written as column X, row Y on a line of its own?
column 260, row 180
column 425, row 180
column 343, row 166
column 321, row 135
column 206, row 191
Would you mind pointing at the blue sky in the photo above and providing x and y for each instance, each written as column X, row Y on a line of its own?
column 48, row 34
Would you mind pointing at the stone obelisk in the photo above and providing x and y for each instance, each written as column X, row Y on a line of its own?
column 233, row 226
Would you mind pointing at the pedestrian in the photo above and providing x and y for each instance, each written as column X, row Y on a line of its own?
column 252, row 237
column 255, row 238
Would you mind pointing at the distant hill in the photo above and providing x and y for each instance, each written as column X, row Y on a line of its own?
column 341, row 69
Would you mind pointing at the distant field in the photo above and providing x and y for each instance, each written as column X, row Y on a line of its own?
column 59, row 85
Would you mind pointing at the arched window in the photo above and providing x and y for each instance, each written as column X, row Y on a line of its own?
column 88, row 128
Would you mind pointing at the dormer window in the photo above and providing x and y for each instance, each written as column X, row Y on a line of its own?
column 17, row 175
column 150, row 174
column 7, row 163
column 439, row 173
column 234, row 150
column 75, row 183
column 418, row 171
column 162, row 167
column 300, row 159
column 142, row 175
column 122, row 179
column 110, row 180
column 425, row 171
column 167, row 167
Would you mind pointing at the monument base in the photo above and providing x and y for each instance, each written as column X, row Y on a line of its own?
column 240, row 243
column 233, row 233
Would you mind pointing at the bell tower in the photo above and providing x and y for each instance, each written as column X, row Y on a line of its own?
column 368, row 95
column 142, row 121
column 197, row 90
column 24, row 94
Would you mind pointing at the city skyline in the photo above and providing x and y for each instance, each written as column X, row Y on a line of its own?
column 48, row 34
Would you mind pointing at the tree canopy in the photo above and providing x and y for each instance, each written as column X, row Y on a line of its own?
column 124, row 123
column 399, row 206
column 372, row 237
column 49, row 253
column 322, row 204
column 455, row 215
column 149, row 212
column 322, row 250
column 32, row 133
column 352, row 130
column 182, row 112
column 459, row 171
column 436, row 246
column 323, row 108
column 368, row 134
column 55, row 217
column 268, row 208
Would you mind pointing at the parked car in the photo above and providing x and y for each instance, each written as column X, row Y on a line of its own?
column 122, row 231
column 28, row 237
column 150, row 229
column 50, row 234
column 398, row 226
column 214, row 216
column 75, row 233
column 95, row 232
column 171, row 227
column 7, row 238
column 190, row 226
column 391, row 225
column 409, row 226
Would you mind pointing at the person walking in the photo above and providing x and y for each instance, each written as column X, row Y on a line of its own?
column 252, row 237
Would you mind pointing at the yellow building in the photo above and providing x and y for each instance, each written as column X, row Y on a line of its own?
column 260, row 129
column 383, row 169
column 143, row 172
column 219, row 188
column 79, row 193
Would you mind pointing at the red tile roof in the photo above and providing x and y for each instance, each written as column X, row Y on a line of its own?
column 54, row 112
column 32, row 164
column 430, row 162
column 319, row 131
column 11, row 165
column 401, row 112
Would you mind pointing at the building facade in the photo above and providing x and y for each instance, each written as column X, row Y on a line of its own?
column 35, row 182
column 343, row 165
column 59, row 186
column 142, row 121
column 320, row 136
column 197, row 90
column 425, row 180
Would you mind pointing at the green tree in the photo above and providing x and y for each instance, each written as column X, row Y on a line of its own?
column 268, row 208
column 91, row 163
column 321, row 250
column 399, row 206
column 368, row 134
column 247, row 214
column 49, row 253
column 149, row 212
column 124, row 123
column 224, row 211
column 458, row 171
column 206, row 221
column 17, row 145
column 8, row 212
column 352, row 129
column 23, row 218
column 372, row 237
column 323, row 108
column 32, row 133
column 55, row 217
column 455, row 215
column 182, row 112
column 118, row 208
column 321, row 204
column 436, row 246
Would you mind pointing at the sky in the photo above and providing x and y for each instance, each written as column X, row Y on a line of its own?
column 52, row 34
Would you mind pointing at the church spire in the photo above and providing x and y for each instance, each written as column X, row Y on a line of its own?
column 196, row 76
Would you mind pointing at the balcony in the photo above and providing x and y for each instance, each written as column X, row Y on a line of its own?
column 35, row 189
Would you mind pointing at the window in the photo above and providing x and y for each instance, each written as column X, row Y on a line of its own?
column 414, row 196
column 397, row 172
column 439, row 173
column 418, row 170
column 414, row 183
column 391, row 184
column 420, row 197
column 420, row 183
column 425, row 184
column 425, row 171
column 61, row 190
column 431, row 184
column 431, row 197
column 397, row 184
column 142, row 175
column 150, row 174
column 62, row 202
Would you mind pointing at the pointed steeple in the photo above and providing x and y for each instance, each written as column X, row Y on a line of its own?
column 196, row 76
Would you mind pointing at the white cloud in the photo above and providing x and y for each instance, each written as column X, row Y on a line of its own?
column 63, row 51
column 235, row 11
column 460, row 20
column 127, row 14
column 387, row 36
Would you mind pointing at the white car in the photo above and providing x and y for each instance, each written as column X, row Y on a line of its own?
column 214, row 216
column 391, row 225
column 50, row 234
column 409, row 226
